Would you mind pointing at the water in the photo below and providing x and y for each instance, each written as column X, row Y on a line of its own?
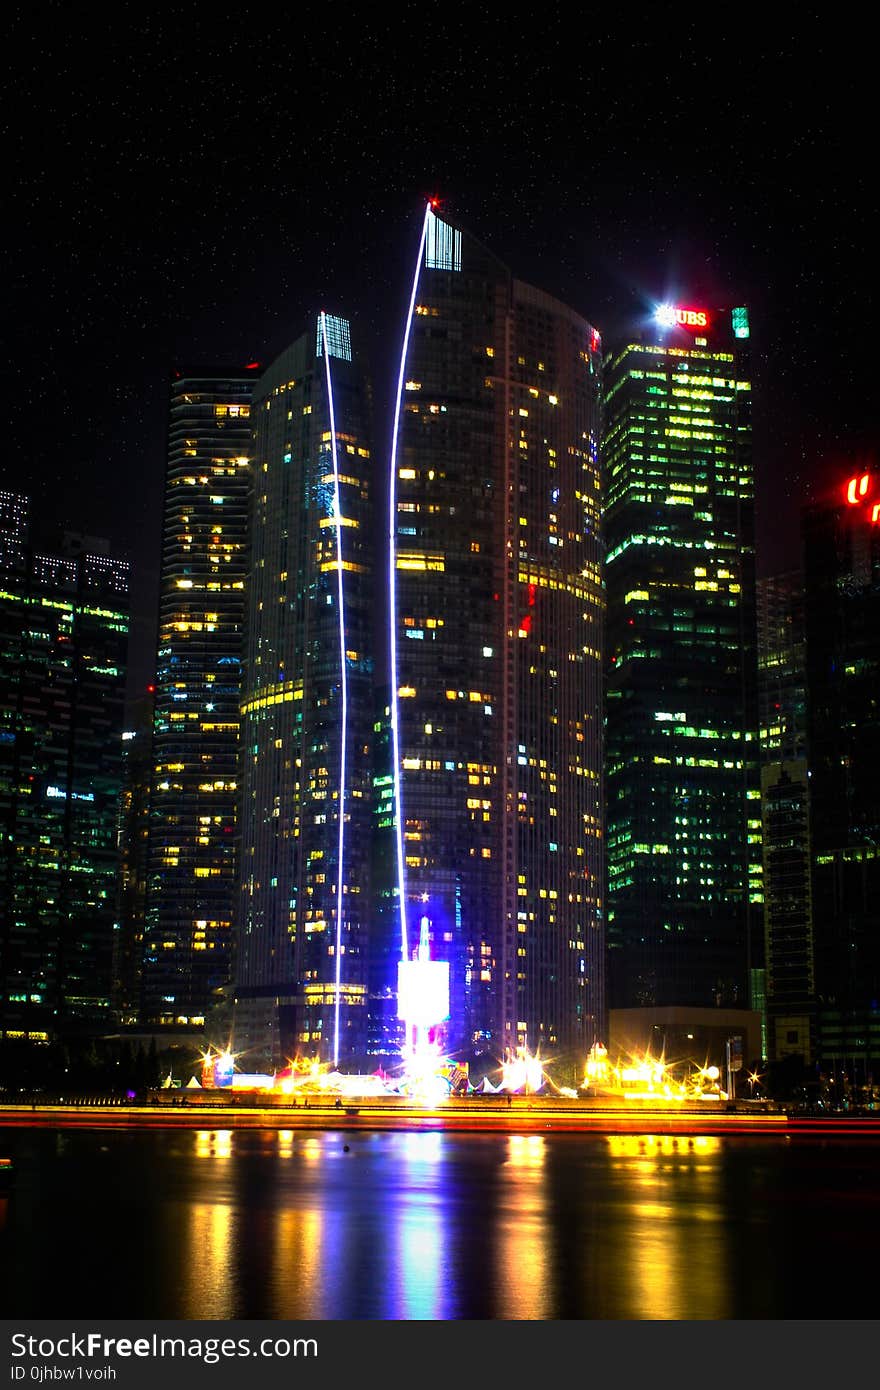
column 239, row 1224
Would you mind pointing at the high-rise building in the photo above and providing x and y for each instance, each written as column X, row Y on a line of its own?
column 133, row 840
column 785, row 817
column 788, row 909
column 842, row 608
column 63, row 648
column 684, row 857
column 495, row 603
column 385, row 1035
column 782, row 697
column 191, row 876
column 307, row 711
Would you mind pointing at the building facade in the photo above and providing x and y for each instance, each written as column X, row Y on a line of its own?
column 684, row 858
column 307, row 711
column 495, row 606
column 785, row 817
column 191, row 873
column 842, row 610
column 788, row 910
column 63, row 647
column 385, row 1038
column 782, row 673
column 133, row 842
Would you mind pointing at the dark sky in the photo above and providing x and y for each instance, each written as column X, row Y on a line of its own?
column 188, row 183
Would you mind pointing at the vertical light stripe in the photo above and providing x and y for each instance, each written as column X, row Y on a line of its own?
column 343, row 741
column 392, row 593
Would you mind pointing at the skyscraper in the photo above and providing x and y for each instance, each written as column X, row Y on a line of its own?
column 191, row 879
column 682, row 758
column 788, row 909
column 63, row 648
column 782, row 718
column 385, row 1027
column 307, row 711
column 495, row 609
column 842, row 608
column 785, row 817
column 133, row 840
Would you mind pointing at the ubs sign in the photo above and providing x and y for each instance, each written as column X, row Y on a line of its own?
column 671, row 316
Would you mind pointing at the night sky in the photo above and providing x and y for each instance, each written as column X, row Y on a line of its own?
column 187, row 184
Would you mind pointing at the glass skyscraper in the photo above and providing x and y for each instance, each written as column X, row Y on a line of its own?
column 63, row 647
column 131, row 887
column 495, row 604
column 684, row 824
column 191, row 876
column 785, row 815
column 841, row 536
column 307, row 711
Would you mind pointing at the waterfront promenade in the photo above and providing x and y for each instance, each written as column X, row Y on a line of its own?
column 524, row 1115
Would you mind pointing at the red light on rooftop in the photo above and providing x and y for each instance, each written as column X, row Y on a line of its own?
column 252, row 366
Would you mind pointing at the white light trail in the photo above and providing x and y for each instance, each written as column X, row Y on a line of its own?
column 392, row 592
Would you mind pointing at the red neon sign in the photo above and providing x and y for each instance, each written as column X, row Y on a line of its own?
column 858, row 491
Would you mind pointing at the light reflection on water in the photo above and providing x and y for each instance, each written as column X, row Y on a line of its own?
column 238, row 1224
column 524, row 1241
column 678, row 1255
column 422, row 1277
column 209, row 1244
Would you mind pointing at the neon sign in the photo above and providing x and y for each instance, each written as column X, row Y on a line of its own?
column 58, row 793
column 671, row 316
column 858, row 494
column 857, row 489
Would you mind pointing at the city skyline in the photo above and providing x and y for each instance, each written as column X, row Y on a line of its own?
column 613, row 195
column 333, row 363
column 137, row 242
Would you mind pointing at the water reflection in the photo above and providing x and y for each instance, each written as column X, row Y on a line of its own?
column 676, row 1239
column 297, row 1289
column 208, row 1262
column 524, row 1240
column 650, row 1145
column 294, row 1225
column 213, row 1143
column 418, row 1231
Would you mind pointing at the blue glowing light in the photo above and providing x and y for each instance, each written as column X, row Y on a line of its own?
column 223, row 1069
